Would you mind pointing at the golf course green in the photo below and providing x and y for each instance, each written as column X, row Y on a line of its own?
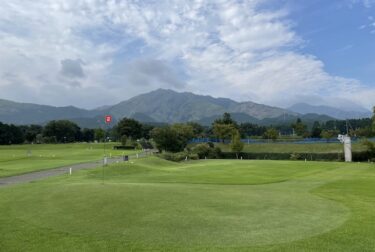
column 151, row 204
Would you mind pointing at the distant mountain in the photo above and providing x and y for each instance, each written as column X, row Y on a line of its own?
column 304, row 108
column 286, row 119
column 159, row 106
column 238, row 117
column 28, row 113
column 307, row 119
column 170, row 106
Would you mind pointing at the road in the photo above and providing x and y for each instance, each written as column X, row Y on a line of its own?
column 38, row 175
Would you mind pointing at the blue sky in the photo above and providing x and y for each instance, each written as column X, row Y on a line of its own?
column 341, row 35
column 90, row 53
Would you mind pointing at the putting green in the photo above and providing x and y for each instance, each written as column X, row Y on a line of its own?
column 155, row 204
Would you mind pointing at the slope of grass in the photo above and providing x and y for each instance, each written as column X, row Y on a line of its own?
column 152, row 204
column 18, row 159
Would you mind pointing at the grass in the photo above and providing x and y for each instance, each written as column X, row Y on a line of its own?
column 208, row 205
column 14, row 159
column 290, row 147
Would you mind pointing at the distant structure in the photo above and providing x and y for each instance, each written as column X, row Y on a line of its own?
column 345, row 139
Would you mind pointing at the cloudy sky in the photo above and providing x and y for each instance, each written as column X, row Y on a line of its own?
column 90, row 53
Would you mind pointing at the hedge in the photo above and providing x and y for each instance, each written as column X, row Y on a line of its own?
column 123, row 147
column 179, row 156
column 357, row 156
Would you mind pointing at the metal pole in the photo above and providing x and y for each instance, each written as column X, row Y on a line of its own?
column 105, row 155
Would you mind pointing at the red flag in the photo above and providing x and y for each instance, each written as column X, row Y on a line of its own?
column 108, row 119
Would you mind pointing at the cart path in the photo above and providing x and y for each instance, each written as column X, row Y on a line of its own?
column 38, row 175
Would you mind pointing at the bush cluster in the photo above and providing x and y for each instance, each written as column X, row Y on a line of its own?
column 178, row 156
column 207, row 150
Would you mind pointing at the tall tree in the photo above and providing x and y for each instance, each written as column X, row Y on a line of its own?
column 130, row 128
column 10, row 134
column 88, row 135
column 172, row 138
column 236, row 144
column 99, row 134
column 316, row 130
column 166, row 139
column 32, row 131
column 63, row 131
column 328, row 134
column 223, row 131
column 198, row 129
column 185, row 132
column 226, row 119
column 299, row 128
column 271, row 134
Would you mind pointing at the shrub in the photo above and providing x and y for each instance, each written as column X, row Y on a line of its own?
column 121, row 147
column 295, row 156
column 124, row 140
column 179, row 156
column 206, row 151
column 202, row 150
column 211, row 144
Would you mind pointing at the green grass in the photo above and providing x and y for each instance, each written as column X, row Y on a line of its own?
column 290, row 147
column 220, row 205
column 14, row 159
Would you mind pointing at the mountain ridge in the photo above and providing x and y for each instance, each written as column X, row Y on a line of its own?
column 158, row 106
column 339, row 113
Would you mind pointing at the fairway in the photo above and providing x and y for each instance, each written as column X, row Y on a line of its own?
column 221, row 205
column 19, row 159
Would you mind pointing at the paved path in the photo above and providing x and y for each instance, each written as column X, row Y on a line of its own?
column 38, row 175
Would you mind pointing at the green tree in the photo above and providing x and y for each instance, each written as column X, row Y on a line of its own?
column 99, row 134
column 328, row 134
column 271, row 134
column 63, row 131
column 146, row 130
column 299, row 128
column 198, row 129
column 373, row 121
column 11, row 134
column 236, row 144
column 370, row 148
column 184, row 132
column 130, row 128
column 172, row 138
column 166, row 139
column 88, row 135
column 249, row 129
column 223, row 131
column 124, row 140
column 316, row 130
column 226, row 119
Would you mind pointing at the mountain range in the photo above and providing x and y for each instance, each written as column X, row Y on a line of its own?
column 355, row 113
column 159, row 106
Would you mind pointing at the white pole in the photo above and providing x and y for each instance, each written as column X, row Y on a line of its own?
column 70, row 171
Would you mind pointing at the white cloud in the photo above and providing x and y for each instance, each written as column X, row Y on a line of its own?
column 365, row 3
column 224, row 48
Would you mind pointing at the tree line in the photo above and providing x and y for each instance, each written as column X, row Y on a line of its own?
column 175, row 137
